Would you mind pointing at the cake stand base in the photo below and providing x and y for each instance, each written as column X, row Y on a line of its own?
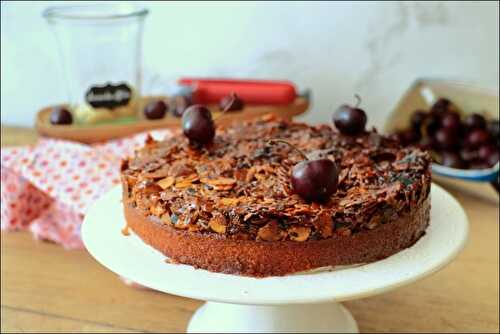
column 215, row 317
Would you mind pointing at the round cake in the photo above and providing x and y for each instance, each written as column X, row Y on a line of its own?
column 229, row 206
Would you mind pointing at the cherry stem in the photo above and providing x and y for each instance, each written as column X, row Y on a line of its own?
column 272, row 141
column 228, row 106
column 359, row 100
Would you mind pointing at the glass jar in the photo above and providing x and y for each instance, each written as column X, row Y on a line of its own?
column 100, row 49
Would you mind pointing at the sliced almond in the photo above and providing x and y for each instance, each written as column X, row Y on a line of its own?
column 182, row 185
column 229, row 201
column 270, row 232
column 221, row 181
column 190, row 178
column 299, row 233
column 218, row 224
column 223, row 187
column 148, row 187
column 250, row 175
column 260, row 177
column 268, row 201
column 324, row 224
column 166, row 182
column 186, row 181
column 158, row 173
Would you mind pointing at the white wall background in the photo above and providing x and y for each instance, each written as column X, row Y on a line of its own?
column 335, row 48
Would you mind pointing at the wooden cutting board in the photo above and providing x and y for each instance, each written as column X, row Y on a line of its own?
column 89, row 134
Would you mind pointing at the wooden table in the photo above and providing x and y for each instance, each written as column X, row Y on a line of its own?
column 46, row 288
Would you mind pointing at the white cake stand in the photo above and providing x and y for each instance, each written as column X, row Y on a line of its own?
column 295, row 303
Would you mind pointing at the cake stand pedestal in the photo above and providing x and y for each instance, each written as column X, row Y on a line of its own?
column 303, row 302
column 215, row 317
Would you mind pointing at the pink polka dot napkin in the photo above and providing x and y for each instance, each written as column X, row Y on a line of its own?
column 48, row 187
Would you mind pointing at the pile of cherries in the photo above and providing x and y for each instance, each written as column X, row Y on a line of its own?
column 469, row 142
column 178, row 104
column 158, row 109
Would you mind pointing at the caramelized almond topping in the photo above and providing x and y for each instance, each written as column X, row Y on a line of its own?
column 166, row 182
column 248, row 182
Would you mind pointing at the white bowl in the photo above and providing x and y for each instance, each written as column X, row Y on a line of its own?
column 469, row 98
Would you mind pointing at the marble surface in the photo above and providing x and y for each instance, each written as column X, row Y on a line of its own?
column 336, row 49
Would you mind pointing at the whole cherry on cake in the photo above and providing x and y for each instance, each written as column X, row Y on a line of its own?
column 198, row 125
column 313, row 180
column 350, row 120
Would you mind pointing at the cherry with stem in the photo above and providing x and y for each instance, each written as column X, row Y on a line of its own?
column 198, row 124
column 350, row 120
column 312, row 179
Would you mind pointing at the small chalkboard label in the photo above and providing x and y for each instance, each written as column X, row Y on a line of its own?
column 108, row 96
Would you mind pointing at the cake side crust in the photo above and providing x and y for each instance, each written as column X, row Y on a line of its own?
column 263, row 258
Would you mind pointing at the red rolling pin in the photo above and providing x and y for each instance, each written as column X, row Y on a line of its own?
column 212, row 90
